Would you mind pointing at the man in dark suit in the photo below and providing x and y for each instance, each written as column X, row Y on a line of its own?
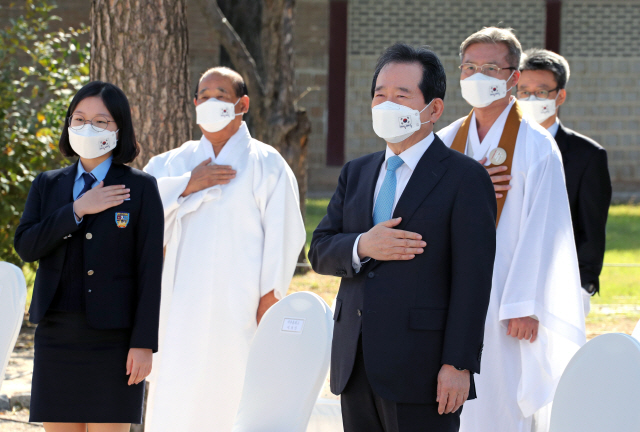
column 411, row 231
column 542, row 89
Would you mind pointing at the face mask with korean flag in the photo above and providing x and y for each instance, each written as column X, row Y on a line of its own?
column 395, row 123
column 480, row 90
column 214, row 115
column 539, row 109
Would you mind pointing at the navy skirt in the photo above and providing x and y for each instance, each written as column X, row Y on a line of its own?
column 79, row 373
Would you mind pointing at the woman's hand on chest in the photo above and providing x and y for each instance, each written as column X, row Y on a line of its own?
column 99, row 199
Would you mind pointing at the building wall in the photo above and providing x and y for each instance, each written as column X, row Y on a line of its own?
column 602, row 43
column 599, row 38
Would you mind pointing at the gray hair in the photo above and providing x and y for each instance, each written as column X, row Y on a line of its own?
column 542, row 59
column 495, row 35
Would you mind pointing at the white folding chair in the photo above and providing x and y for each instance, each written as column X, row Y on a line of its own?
column 13, row 296
column 598, row 391
column 288, row 363
column 326, row 416
column 636, row 332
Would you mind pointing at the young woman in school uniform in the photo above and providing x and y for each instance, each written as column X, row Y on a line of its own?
column 97, row 229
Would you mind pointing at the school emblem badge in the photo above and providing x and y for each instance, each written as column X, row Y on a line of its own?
column 122, row 220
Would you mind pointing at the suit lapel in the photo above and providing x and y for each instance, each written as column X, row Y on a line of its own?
column 366, row 190
column 115, row 172
column 112, row 178
column 561, row 139
column 65, row 184
column 425, row 177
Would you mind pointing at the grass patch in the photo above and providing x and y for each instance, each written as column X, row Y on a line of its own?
column 619, row 285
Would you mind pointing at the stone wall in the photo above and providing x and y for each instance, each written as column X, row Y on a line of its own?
column 376, row 24
column 599, row 39
column 602, row 43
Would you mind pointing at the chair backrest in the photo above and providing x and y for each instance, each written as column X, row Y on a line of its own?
column 288, row 363
column 598, row 390
column 636, row 332
column 13, row 296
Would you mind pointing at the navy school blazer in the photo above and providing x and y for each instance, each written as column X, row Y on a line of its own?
column 122, row 265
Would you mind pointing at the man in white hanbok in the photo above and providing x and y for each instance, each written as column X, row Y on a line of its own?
column 233, row 234
column 535, row 321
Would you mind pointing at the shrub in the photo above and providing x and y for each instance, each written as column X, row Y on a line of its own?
column 40, row 71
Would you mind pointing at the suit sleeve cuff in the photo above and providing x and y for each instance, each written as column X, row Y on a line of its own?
column 355, row 259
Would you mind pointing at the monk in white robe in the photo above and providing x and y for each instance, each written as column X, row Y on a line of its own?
column 535, row 321
column 233, row 235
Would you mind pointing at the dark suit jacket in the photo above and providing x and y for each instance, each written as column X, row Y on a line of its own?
column 125, row 263
column 589, row 189
column 414, row 315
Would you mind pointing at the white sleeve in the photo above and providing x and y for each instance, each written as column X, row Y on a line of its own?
column 284, row 232
column 544, row 282
column 170, row 190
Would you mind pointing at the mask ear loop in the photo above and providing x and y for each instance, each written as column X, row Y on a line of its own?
column 240, row 113
column 425, row 109
column 509, row 89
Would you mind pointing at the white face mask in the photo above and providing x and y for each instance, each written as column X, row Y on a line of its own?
column 90, row 144
column 395, row 123
column 480, row 90
column 214, row 115
column 539, row 109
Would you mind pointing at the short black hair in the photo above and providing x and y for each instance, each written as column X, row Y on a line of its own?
column 434, row 79
column 117, row 103
column 542, row 59
column 239, row 86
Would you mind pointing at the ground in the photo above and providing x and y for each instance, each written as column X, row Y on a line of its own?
column 617, row 309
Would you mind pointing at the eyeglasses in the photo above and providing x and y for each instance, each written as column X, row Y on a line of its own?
column 491, row 70
column 98, row 123
column 539, row 94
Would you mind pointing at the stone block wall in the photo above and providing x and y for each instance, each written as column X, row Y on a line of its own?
column 376, row 24
column 601, row 40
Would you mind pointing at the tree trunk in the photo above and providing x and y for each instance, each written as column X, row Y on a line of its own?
column 142, row 47
column 269, row 73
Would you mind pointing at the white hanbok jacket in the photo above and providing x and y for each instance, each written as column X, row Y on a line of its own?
column 535, row 274
column 226, row 247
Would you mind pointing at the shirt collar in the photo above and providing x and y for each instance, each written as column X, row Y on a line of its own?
column 413, row 154
column 553, row 129
column 99, row 172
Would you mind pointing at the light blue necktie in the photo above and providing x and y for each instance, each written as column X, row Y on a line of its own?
column 387, row 194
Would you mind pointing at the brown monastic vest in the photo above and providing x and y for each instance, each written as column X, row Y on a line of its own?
column 507, row 142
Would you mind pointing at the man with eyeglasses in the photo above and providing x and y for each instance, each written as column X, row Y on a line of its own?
column 541, row 90
column 535, row 321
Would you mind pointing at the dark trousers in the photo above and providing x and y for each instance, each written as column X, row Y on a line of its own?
column 364, row 411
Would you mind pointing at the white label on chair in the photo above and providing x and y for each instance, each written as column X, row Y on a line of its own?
column 293, row 325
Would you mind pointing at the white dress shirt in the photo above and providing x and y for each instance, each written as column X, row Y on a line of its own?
column 553, row 129
column 411, row 157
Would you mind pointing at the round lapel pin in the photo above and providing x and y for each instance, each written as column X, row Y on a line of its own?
column 498, row 156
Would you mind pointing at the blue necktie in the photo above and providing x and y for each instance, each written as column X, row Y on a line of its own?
column 386, row 196
column 89, row 179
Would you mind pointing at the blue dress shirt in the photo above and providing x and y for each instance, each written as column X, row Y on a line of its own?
column 99, row 172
